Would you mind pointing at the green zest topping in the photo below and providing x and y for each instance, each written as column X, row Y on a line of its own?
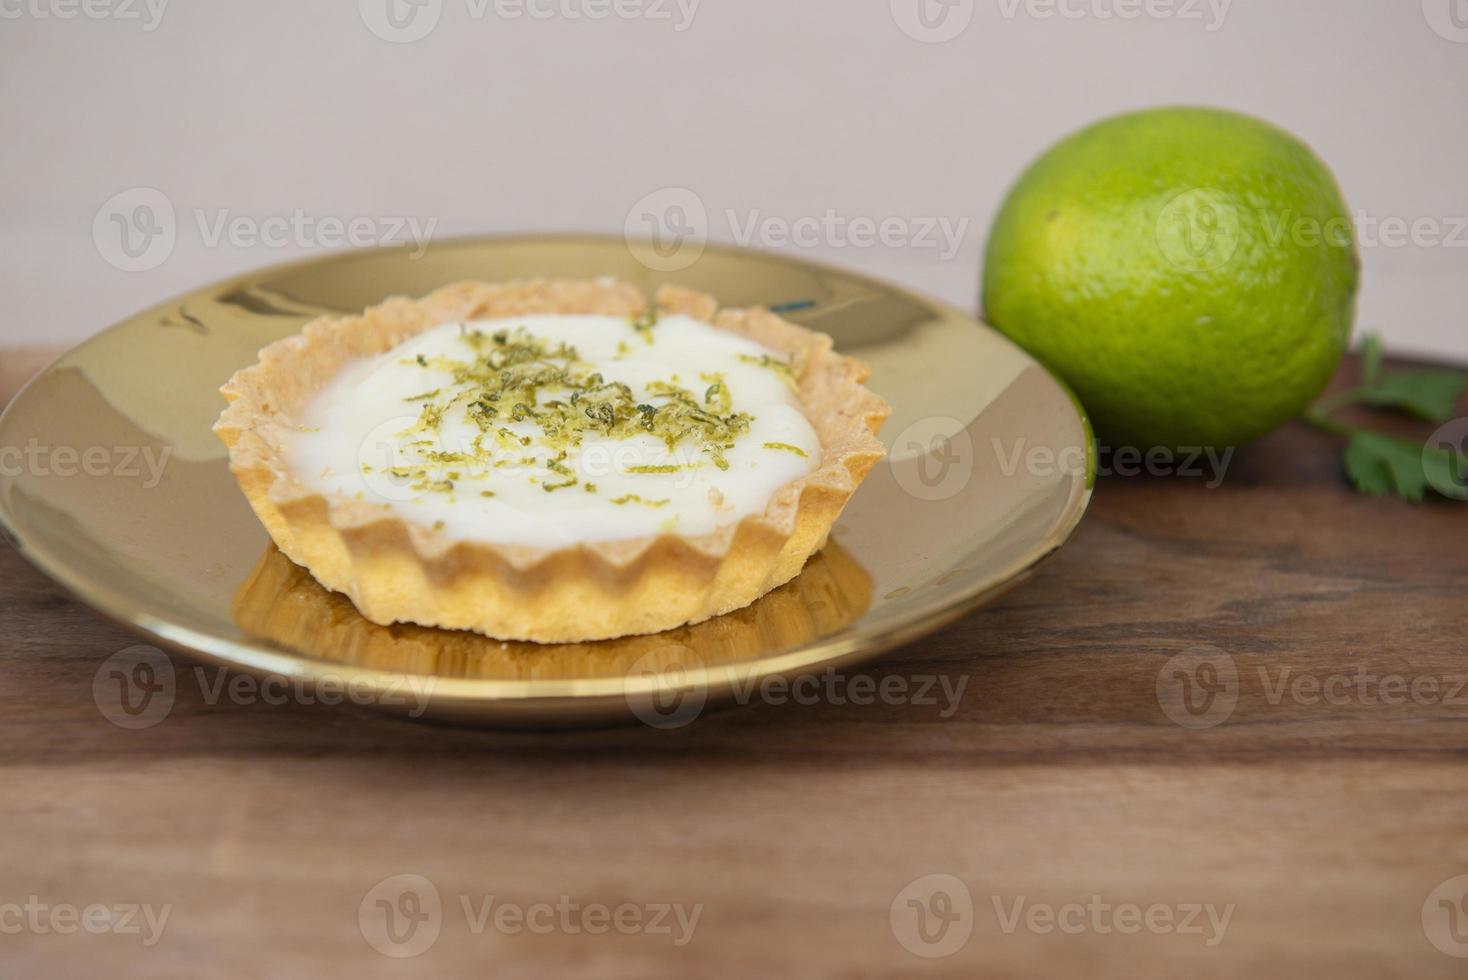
column 716, row 397
column 786, row 447
column 633, row 498
column 782, row 368
column 644, row 322
column 514, row 377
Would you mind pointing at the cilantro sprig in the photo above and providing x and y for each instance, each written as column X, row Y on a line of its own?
column 1383, row 465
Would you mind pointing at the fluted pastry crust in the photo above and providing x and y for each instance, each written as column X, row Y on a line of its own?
column 395, row 570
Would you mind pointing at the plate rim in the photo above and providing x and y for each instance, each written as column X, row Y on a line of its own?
column 255, row 658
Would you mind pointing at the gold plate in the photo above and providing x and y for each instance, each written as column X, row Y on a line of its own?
column 122, row 493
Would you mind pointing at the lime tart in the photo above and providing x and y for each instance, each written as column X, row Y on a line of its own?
column 554, row 461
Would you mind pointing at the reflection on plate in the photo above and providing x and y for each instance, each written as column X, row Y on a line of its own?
column 281, row 602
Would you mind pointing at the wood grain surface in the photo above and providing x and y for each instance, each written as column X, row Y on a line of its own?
column 1317, row 802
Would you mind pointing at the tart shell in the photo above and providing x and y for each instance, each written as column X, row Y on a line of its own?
column 395, row 570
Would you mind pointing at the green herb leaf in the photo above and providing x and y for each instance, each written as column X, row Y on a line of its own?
column 1381, row 466
column 1371, row 355
column 1430, row 395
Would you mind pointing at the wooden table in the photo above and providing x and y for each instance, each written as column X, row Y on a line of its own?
column 1319, row 816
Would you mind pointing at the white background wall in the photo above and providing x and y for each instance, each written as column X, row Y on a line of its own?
column 763, row 108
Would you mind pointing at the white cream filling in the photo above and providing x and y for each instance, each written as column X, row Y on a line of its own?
column 364, row 435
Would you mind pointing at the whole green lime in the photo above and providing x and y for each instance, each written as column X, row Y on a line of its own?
column 1191, row 273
